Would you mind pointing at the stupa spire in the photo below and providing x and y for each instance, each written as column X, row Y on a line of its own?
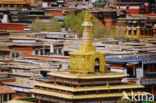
column 87, row 37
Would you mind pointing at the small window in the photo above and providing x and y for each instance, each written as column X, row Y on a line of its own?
column 36, row 52
column 55, row 51
column 131, row 71
column 47, row 51
column 97, row 65
column 150, row 32
column 60, row 51
column 129, row 32
column 135, row 32
column 5, row 97
column 41, row 52
column 142, row 32
column 145, row 32
column 10, row 96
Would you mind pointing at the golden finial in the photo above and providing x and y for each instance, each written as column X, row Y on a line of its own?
column 87, row 17
column 87, row 20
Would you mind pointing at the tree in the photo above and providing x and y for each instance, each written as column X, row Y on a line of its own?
column 69, row 21
column 37, row 25
column 52, row 26
column 74, row 23
column 99, row 30
column 119, row 30
column 79, row 21
column 57, row 26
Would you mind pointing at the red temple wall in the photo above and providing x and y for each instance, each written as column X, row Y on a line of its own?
column 14, row 26
column 108, row 22
column 116, row 65
column 55, row 13
column 133, row 11
column 25, row 51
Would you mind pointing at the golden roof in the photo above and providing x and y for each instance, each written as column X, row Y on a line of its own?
column 93, row 88
column 85, row 96
column 87, row 76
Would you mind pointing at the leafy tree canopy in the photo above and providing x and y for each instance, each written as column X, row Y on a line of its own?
column 74, row 23
column 119, row 30
column 38, row 25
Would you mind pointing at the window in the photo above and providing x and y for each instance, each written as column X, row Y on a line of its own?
column 5, row 97
column 135, row 32
column 150, row 32
column 36, row 52
column 131, row 71
column 17, row 54
column 13, row 54
column 60, row 51
column 10, row 96
column 149, row 69
column 145, row 32
column 47, row 51
column 129, row 32
column 97, row 65
column 55, row 51
column 142, row 32
column 41, row 51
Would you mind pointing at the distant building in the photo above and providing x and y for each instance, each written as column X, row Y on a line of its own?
column 6, row 93
column 107, row 16
column 52, row 3
column 20, row 85
column 139, row 26
column 152, row 6
column 133, row 6
column 23, row 4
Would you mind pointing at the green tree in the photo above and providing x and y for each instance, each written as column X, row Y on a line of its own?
column 37, row 25
column 52, row 26
column 57, row 26
column 79, row 21
column 69, row 21
column 119, row 30
column 74, row 23
column 99, row 30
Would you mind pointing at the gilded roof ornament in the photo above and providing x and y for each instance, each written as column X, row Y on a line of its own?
column 87, row 20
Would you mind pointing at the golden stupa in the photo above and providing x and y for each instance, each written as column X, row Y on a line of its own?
column 87, row 80
column 83, row 61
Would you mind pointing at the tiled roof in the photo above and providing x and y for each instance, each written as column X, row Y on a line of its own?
column 15, row 1
column 6, row 89
column 21, row 83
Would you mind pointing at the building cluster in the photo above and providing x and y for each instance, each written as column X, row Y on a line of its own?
column 59, row 67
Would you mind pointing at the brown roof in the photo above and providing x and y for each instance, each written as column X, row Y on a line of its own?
column 6, row 89
column 18, row 36
column 15, row 1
